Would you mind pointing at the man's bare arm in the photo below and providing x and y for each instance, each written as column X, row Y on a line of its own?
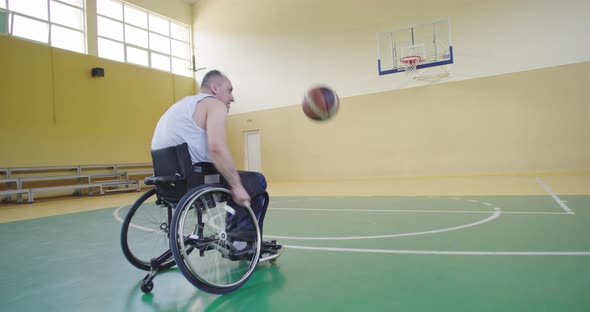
column 220, row 154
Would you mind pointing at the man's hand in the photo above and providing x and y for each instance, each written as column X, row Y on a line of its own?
column 240, row 196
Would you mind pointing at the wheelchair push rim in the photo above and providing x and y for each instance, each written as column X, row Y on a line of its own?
column 206, row 255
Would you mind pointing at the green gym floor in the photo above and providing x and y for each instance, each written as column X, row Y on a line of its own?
column 492, row 243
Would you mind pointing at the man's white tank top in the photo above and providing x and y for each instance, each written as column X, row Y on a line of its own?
column 177, row 126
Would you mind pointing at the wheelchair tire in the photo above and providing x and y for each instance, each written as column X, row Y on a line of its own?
column 145, row 232
column 204, row 236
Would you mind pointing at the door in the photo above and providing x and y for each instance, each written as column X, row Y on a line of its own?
column 252, row 149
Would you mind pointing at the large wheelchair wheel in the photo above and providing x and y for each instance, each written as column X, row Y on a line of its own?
column 145, row 232
column 216, row 244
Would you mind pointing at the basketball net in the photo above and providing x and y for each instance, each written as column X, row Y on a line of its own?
column 410, row 63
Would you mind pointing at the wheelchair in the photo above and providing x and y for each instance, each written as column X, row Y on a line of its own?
column 189, row 220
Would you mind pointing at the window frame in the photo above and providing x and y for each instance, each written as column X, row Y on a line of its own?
column 50, row 23
column 149, row 50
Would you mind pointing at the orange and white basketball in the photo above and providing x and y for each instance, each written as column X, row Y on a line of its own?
column 320, row 103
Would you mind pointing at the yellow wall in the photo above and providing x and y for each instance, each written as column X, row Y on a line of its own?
column 532, row 121
column 54, row 113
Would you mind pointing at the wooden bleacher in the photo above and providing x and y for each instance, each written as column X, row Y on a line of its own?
column 52, row 180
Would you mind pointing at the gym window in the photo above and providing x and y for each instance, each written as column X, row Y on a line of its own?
column 59, row 23
column 130, row 34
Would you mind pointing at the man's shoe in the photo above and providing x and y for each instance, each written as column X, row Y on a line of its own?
column 240, row 250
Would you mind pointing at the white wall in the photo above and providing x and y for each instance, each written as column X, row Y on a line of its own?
column 274, row 50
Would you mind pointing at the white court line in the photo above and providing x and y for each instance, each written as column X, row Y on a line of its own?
column 419, row 211
column 116, row 214
column 536, row 213
column 453, row 253
column 557, row 199
column 420, row 252
column 380, row 210
column 496, row 214
column 139, row 227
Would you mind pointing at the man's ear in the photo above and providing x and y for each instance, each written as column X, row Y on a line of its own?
column 214, row 87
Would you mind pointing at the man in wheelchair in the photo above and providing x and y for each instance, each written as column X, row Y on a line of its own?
column 200, row 121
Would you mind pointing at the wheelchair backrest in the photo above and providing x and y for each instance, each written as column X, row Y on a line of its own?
column 174, row 160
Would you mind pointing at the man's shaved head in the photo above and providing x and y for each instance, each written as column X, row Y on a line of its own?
column 213, row 75
column 217, row 84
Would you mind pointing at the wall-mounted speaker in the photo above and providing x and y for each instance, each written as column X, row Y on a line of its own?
column 98, row 72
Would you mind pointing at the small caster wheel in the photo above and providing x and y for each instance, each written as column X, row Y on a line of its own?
column 273, row 261
column 147, row 287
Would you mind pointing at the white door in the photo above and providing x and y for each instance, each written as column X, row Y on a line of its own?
column 252, row 147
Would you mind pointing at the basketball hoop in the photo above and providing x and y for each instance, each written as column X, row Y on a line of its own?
column 410, row 62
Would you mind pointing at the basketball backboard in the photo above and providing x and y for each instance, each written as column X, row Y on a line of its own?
column 426, row 45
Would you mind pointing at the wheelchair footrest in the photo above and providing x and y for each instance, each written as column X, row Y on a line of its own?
column 269, row 247
column 270, row 251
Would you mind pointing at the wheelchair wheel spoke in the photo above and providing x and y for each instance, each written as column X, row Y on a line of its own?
column 145, row 232
column 227, row 250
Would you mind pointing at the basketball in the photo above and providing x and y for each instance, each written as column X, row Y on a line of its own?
column 320, row 103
